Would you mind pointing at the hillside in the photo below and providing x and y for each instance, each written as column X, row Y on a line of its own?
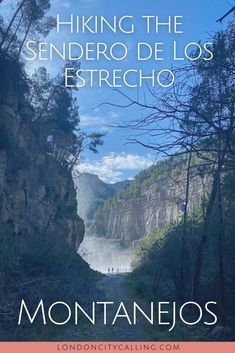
column 155, row 198
column 92, row 193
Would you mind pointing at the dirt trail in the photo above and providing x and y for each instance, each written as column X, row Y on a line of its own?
column 115, row 291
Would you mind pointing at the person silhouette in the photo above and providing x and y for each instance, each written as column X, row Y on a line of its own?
column 112, row 269
column 108, row 270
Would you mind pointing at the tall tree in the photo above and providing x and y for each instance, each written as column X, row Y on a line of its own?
column 57, row 118
column 29, row 18
column 19, row 6
column 196, row 117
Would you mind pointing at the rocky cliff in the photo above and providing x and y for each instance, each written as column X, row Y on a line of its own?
column 155, row 198
column 40, row 231
column 37, row 194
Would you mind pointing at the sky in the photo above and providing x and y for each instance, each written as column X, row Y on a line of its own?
column 117, row 160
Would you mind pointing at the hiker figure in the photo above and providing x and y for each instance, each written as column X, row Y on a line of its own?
column 112, row 269
column 108, row 270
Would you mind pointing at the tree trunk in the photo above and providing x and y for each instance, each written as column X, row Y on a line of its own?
column 221, row 233
column 25, row 36
column 216, row 192
column 14, row 35
column 74, row 161
column 47, row 102
column 157, row 280
column 221, row 255
column 200, row 250
column 183, row 252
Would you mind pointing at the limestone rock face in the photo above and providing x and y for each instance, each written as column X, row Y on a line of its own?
column 155, row 205
column 37, row 194
column 93, row 192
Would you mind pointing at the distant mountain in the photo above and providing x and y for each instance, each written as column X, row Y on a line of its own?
column 92, row 193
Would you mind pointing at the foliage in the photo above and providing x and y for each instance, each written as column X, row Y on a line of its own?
column 56, row 116
column 29, row 18
column 35, row 268
column 196, row 117
column 164, row 169
column 158, row 254
column 39, row 132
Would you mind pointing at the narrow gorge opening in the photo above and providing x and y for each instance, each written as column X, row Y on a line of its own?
column 102, row 250
column 105, row 255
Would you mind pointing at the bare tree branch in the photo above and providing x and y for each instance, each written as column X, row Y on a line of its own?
column 226, row 15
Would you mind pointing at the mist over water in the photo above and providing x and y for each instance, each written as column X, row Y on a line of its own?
column 105, row 255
